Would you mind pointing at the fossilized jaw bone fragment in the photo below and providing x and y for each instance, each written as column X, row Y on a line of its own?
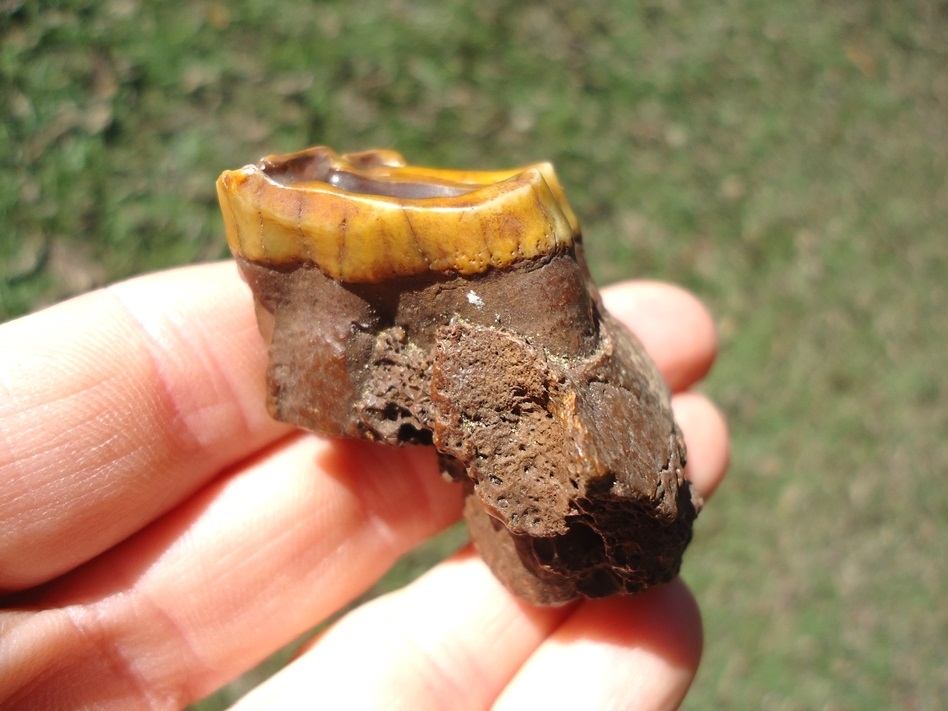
column 411, row 305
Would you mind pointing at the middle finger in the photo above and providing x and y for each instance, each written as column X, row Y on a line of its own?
column 249, row 563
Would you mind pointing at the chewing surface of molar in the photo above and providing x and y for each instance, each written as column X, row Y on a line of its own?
column 477, row 331
column 367, row 220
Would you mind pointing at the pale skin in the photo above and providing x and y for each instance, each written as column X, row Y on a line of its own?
column 160, row 534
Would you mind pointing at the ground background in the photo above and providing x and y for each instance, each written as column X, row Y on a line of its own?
column 786, row 161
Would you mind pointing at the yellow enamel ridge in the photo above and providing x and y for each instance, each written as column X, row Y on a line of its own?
column 368, row 216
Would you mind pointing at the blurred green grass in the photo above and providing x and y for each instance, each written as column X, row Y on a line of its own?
column 786, row 161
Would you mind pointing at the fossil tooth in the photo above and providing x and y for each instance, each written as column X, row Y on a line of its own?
column 411, row 305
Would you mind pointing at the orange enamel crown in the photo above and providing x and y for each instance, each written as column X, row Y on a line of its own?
column 367, row 217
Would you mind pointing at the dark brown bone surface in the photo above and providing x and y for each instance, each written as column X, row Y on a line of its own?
column 544, row 407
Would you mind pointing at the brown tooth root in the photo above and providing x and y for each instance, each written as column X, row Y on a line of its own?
column 414, row 305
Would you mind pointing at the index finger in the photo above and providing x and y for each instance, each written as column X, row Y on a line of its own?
column 118, row 404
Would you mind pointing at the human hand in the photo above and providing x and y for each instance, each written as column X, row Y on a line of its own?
column 160, row 534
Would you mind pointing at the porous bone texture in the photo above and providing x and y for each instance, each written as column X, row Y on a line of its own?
column 545, row 408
